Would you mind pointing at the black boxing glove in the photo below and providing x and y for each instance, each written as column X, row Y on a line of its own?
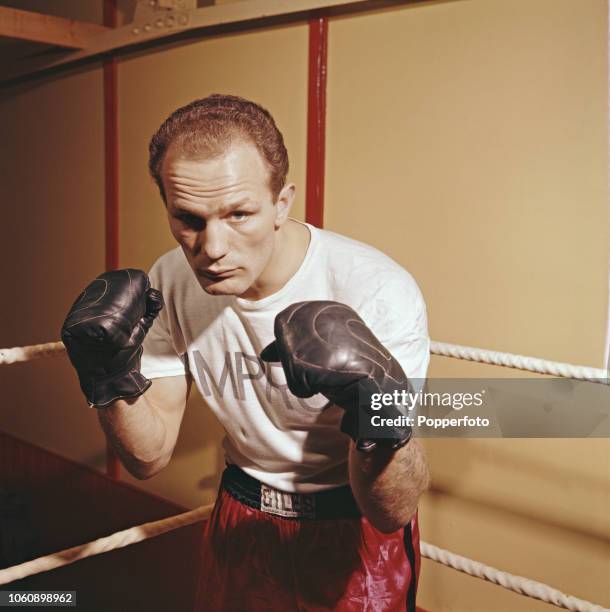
column 325, row 347
column 104, row 331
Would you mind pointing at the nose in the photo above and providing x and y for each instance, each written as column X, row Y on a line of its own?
column 213, row 240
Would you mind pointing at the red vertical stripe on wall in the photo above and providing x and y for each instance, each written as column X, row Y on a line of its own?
column 316, row 121
column 111, row 147
column 111, row 165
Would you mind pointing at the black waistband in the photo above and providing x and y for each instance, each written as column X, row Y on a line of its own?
column 329, row 504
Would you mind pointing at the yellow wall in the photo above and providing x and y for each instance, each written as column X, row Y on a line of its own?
column 467, row 139
column 52, row 234
column 479, row 130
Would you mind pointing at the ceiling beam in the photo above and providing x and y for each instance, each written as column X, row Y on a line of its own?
column 37, row 27
column 171, row 24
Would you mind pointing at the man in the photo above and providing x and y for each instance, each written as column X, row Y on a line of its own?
column 272, row 319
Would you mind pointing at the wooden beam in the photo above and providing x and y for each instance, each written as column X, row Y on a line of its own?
column 37, row 27
column 172, row 24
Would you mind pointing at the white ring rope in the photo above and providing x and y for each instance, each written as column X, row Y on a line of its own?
column 517, row 584
column 457, row 351
column 28, row 353
column 108, row 543
column 520, row 362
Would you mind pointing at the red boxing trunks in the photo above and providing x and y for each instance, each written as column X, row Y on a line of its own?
column 265, row 549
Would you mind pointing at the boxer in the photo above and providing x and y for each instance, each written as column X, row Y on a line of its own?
column 286, row 330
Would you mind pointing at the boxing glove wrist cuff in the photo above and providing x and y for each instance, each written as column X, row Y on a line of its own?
column 102, row 391
column 364, row 445
column 393, row 439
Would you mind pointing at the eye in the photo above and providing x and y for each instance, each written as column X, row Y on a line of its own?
column 191, row 221
column 239, row 215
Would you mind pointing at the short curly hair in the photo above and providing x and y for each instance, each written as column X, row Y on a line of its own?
column 207, row 127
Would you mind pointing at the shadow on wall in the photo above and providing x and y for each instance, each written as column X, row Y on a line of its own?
column 518, row 477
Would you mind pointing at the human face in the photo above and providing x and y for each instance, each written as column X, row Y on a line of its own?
column 222, row 214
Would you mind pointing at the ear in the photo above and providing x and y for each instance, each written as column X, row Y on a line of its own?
column 284, row 204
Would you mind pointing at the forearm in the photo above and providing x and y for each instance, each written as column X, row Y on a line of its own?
column 388, row 484
column 137, row 434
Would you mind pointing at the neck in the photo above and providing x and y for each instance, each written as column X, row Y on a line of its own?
column 291, row 242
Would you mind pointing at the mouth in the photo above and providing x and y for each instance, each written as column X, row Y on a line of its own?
column 216, row 275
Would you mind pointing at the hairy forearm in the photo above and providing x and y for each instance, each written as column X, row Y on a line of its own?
column 387, row 485
column 136, row 433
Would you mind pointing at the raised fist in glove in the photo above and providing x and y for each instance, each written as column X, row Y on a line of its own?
column 325, row 347
column 104, row 331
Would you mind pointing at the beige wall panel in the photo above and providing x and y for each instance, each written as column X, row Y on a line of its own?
column 571, row 560
column 269, row 67
column 52, row 245
column 478, row 132
column 535, row 508
column 529, row 477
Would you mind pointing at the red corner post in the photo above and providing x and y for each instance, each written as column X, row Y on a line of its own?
column 316, row 121
column 111, row 170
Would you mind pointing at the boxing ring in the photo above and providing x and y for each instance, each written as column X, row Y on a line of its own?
column 192, row 20
column 517, row 584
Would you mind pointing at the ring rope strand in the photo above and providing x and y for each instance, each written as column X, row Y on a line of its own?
column 456, row 351
column 517, row 584
column 520, row 362
column 132, row 535
column 29, row 353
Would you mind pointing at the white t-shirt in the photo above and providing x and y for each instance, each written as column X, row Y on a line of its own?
column 286, row 442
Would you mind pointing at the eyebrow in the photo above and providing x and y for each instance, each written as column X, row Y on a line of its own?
column 223, row 209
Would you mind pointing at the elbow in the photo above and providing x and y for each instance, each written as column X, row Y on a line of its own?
column 142, row 474
column 387, row 526
column 394, row 517
column 145, row 470
column 390, row 524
